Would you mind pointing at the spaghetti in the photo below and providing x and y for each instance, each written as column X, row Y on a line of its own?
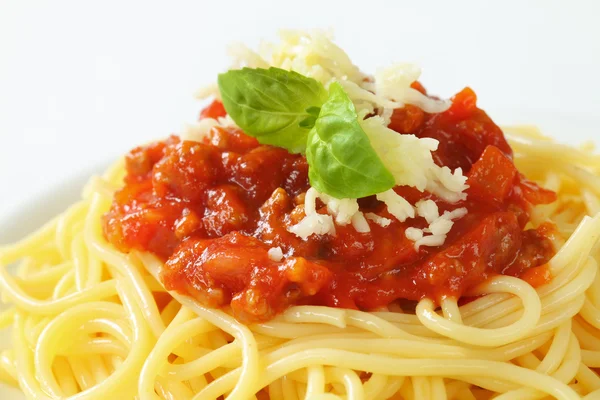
column 89, row 321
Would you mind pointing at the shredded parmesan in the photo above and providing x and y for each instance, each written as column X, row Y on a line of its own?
column 435, row 187
column 409, row 160
column 394, row 82
column 227, row 121
column 275, row 254
column 396, row 205
column 386, row 114
column 432, row 240
column 392, row 90
column 345, row 212
column 211, row 90
column 200, row 130
column 318, row 224
column 313, row 222
column 359, row 222
column 310, row 201
column 427, row 209
column 413, row 234
column 439, row 225
column 311, row 54
column 379, row 220
column 455, row 182
column 243, row 56
column 455, row 214
column 342, row 209
column 315, row 55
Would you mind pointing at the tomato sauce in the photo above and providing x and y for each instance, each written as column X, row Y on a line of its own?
column 213, row 209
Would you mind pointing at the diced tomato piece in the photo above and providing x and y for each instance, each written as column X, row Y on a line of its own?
column 148, row 228
column 213, row 110
column 463, row 104
column 231, row 139
column 140, row 160
column 535, row 194
column 492, row 177
column 188, row 223
column 187, row 170
column 463, row 132
column 225, row 210
column 407, row 119
column 479, row 131
column 260, row 171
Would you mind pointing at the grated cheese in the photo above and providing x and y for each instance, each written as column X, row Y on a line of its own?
column 243, row 56
column 275, row 254
column 360, row 223
column 413, row 234
column 396, row 205
column 200, row 130
column 345, row 211
column 454, row 182
column 379, row 220
column 393, row 83
column 210, row 90
column 438, row 227
column 427, row 209
column 313, row 54
column 432, row 240
column 318, row 224
column 313, row 222
column 409, row 160
column 310, row 201
column 342, row 209
column 455, row 214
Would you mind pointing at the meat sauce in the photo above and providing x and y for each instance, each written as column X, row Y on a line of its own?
column 213, row 209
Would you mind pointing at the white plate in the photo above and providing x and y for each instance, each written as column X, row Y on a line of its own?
column 566, row 128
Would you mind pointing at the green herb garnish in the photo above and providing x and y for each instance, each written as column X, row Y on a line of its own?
column 275, row 106
column 289, row 110
column 342, row 161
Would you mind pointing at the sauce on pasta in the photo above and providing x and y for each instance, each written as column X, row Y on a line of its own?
column 212, row 210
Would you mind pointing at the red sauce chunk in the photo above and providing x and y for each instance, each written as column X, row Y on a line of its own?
column 213, row 209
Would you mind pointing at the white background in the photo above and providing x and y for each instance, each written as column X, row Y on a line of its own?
column 81, row 82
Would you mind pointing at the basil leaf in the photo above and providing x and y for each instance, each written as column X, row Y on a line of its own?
column 314, row 111
column 273, row 105
column 342, row 162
